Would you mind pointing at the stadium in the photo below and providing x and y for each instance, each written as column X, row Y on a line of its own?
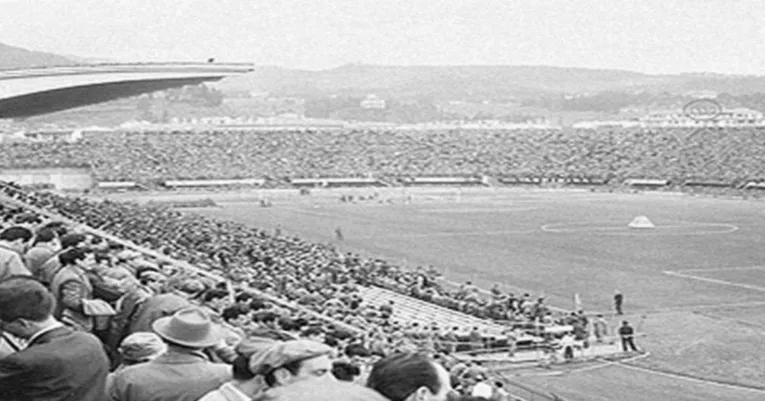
column 691, row 279
column 220, row 258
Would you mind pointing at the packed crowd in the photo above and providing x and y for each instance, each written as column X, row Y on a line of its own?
column 313, row 275
column 150, row 157
column 159, row 331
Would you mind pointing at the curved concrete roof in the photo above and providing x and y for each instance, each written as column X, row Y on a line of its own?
column 35, row 91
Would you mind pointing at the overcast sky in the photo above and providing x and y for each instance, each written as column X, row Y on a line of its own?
column 655, row 36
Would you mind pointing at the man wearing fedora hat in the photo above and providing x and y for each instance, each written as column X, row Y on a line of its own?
column 183, row 373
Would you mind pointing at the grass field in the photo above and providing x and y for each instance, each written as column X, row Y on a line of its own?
column 695, row 284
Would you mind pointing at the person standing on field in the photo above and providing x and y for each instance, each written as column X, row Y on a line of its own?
column 618, row 301
column 627, row 334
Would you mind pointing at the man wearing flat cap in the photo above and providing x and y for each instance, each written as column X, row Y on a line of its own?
column 183, row 373
column 293, row 361
column 245, row 385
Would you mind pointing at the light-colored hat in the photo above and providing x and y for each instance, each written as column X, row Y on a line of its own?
column 283, row 353
column 190, row 327
column 141, row 346
column 253, row 345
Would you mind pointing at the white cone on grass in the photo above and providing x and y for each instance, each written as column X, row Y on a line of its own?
column 641, row 222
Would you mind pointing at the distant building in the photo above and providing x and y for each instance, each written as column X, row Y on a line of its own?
column 735, row 117
column 372, row 102
column 701, row 94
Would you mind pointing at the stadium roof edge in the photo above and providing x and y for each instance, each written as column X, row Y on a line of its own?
column 222, row 68
column 42, row 90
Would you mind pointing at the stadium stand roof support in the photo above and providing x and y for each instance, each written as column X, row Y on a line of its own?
column 36, row 91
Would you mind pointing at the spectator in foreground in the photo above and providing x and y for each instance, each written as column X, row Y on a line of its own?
column 44, row 247
column 58, row 363
column 11, row 263
column 320, row 390
column 410, row 377
column 293, row 361
column 183, row 373
column 245, row 384
column 139, row 348
column 243, row 387
column 16, row 239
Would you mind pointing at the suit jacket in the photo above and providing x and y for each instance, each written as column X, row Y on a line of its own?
column 173, row 376
column 60, row 365
column 154, row 308
column 70, row 286
column 11, row 264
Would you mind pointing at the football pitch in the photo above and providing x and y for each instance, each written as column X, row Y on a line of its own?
column 694, row 284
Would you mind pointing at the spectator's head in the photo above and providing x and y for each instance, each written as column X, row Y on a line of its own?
column 16, row 238
column 235, row 316
column 258, row 304
column 27, row 220
column 189, row 328
column 255, row 344
column 153, row 280
column 190, row 287
column 72, row 240
column 215, row 298
column 243, row 300
column 73, row 256
column 345, row 371
column 141, row 347
column 99, row 244
column 410, row 377
column 48, row 237
column 57, row 226
column 313, row 333
column 26, row 306
column 293, row 361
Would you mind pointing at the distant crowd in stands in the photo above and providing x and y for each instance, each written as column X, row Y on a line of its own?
column 84, row 318
column 727, row 155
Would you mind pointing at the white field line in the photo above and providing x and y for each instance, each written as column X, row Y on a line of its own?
column 588, row 368
column 714, row 269
column 715, row 281
column 690, row 379
column 479, row 210
column 624, row 364
column 450, row 234
column 703, row 306
column 572, row 228
column 308, row 212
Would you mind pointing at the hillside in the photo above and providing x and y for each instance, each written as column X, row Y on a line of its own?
column 15, row 57
column 478, row 82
